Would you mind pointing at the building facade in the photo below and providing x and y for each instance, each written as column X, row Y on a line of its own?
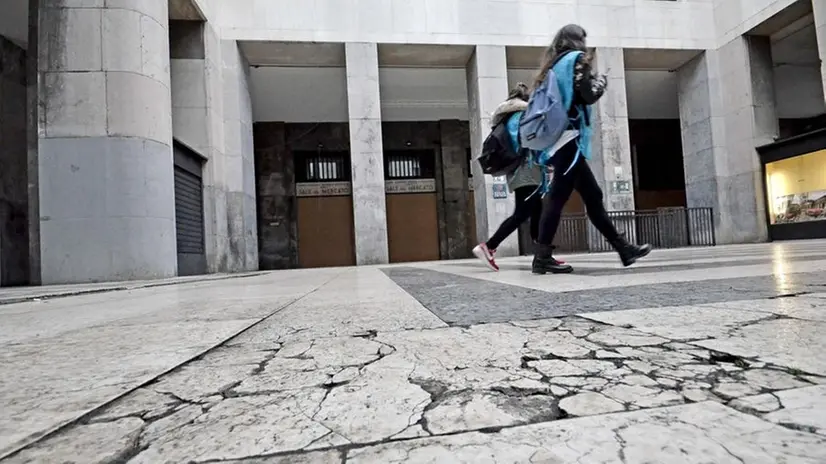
column 166, row 137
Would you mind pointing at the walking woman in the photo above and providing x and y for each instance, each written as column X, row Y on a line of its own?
column 523, row 182
column 568, row 57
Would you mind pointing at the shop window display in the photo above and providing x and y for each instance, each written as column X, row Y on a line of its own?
column 796, row 188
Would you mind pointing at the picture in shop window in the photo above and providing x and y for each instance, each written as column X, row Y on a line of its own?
column 797, row 188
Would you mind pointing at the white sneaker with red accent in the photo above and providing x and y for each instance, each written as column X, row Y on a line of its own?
column 485, row 255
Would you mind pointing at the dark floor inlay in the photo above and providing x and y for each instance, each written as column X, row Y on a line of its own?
column 462, row 300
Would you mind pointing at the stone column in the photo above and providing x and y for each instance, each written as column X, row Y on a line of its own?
column 611, row 146
column 107, row 209
column 366, row 153
column 727, row 108
column 239, row 161
column 487, row 84
column 819, row 10
column 453, row 195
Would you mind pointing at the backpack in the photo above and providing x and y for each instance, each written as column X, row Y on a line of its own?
column 546, row 117
column 498, row 156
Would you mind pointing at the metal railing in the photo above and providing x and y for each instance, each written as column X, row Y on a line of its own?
column 662, row 228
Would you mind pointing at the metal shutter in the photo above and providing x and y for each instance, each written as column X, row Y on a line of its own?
column 189, row 213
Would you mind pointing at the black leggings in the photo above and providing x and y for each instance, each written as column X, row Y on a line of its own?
column 526, row 208
column 581, row 179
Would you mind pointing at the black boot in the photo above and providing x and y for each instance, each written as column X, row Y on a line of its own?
column 544, row 262
column 628, row 252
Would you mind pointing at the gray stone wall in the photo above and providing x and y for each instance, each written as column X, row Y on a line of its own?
column 453, row 190
column 275, row 185
column 14, row 246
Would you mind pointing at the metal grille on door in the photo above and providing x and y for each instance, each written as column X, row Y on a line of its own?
column 189, row 212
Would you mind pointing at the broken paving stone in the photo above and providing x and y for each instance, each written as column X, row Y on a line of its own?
column 640, row 380
column 802, row 409
column 164, row 425
column 772, row 379
column 587, row 383
column 479, row 410
column 348, row 374
column 642, row 397
column 605, row 354
column 589, row 404
column 197, row 380
column 558, row 391
column 553, row 368
column 640, row 366
column 559, row 344
column 414, row 431
column 318, row 457
column 698, row 395
column 277, row 379
column 376, row 406
column 671, row 383
column 237, row 356
column 141, row 402
column 91, row 443
column 548, row 324
column 256, row 426
column 728, row 389
column 756, row 404
column 617, row 336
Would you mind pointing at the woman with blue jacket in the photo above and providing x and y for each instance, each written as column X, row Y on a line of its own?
column 580, row 88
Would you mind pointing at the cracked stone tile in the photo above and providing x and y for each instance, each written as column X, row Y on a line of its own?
column 698, row 395
column 585, row 383
column 670, row 383
column 478, row 410
column 198, row 380
column 286, row 374
column 642, row 397
column 605, row 354
column 587, row 404
column 770, row 341
column 92, row 443
column 618, row 336
column 772, row 379
column 802, row 408
column 379, row 404
column 706, row 432
column 680, row 323
column 759, row 403
column 237, row 355
column 728, row 389
column 316, row 457
column 801, row 307
column 414, row 431
column 580, row 327
column 142, row 402
column 241, row 427
column 348, row 374
column 560, row 344
column 547, row 324
column 641, row 380
column 164, row 425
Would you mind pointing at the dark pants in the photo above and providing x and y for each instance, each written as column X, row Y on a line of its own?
column 581, row 179
column 526, row 208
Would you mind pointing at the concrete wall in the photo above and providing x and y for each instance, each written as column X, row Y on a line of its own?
column 615, row 23
column 14, row 246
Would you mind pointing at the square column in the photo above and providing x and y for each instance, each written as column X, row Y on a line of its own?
column 366, row 153
column 727, row 108
column 487, row 85
column 611, row 149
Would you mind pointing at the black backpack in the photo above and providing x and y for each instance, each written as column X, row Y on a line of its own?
column 498, row 157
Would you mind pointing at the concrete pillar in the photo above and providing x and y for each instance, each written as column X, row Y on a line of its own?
column 14, row 247
column 611, row 147
column 366, row 153
column 239, row 161
column 453, row 192
column 487, row 84
column 277, row 212
column 819, row 10
column 107, row 208
column 727, row 108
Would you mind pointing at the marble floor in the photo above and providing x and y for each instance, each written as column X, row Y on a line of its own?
column 708, row 355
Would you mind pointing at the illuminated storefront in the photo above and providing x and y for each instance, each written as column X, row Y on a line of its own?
column 795, row 181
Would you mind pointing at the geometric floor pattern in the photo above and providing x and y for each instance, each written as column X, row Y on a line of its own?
column 708, row 355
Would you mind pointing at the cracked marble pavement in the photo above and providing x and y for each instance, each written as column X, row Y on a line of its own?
column 359, row 371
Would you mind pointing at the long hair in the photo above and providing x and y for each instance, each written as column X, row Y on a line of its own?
column 521, row 91
column 570, row 37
